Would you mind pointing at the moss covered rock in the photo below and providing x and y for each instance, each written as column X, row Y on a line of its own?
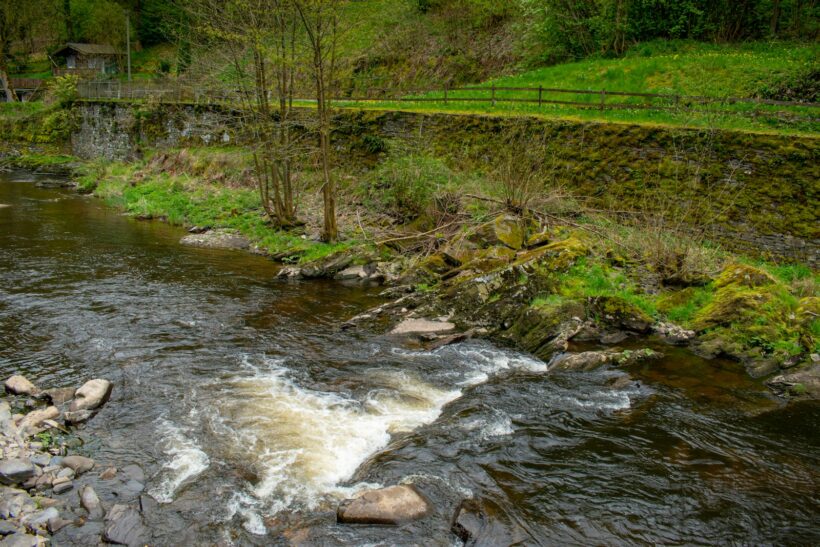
column 507, row 230
column 745, row 276
column 616, row 312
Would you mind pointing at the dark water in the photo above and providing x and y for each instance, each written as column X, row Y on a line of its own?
column 252, row 414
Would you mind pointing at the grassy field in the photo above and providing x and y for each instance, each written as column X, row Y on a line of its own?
column 673, row 68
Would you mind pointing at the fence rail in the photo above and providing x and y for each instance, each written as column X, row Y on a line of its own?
column 595, row 99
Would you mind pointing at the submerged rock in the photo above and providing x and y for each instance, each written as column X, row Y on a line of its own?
column 91, row 503
column 124, row 526
column 92, row 395
column 217, row 239
column 391, row 505
column 59, row 396
column 800, row 383
column 19, row 385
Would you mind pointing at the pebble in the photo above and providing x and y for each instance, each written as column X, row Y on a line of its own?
column 62, row 485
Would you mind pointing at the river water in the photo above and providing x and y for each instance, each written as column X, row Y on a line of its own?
column 252, row 414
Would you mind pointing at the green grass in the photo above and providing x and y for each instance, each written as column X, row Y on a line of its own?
column 184, row 200
column 589, row 279
column 681, row 68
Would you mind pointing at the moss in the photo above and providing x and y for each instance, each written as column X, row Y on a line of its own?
column 744, row 275
column 510, row 231
column 561, row 255
column 618, row 312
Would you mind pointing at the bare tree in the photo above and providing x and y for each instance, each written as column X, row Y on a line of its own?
column 259, row 38
column 320, row 21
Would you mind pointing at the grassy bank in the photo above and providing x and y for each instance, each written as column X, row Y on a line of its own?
column 415, row 211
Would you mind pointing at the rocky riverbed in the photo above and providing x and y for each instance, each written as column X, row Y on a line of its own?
column 50, row 489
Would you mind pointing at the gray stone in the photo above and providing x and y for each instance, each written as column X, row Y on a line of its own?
column 93, row 394
column 15, row 471
column 803, row 383
column 590, row 360
column 78, row 417
column 19, row 385
column 91, row 503
column 66, row 472
column 79, row 464
column 41, row 459
column 124, row 526
column 56, row 524
column 391, row 505
column 7, row 528
column 108, row 474
column 39, row 519
column 62, row 485
column 422, row 326
column 22, row 540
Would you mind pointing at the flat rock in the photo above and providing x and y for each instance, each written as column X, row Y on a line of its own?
column 19, row 385
column 216, row 239
column 62, row 485
column 391, row 505
column 422, row 326
column 124, row 526
column 79, row 464
column 93, row 394
column 15, row 471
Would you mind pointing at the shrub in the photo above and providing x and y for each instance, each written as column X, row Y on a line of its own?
column 62, row 90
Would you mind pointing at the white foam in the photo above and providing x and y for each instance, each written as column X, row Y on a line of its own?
column 497, row 425
column 607, row 400
column 186, row 461
column 306, row 442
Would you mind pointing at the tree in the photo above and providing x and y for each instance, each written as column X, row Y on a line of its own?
column 259, row 38
column 321, row 23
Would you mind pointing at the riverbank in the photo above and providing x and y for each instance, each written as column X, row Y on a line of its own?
column 544, row 280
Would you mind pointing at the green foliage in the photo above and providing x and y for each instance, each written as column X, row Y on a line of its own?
column 62, row 90
column 589, row 279
column 410, row 186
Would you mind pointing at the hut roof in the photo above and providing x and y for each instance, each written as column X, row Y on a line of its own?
column 87, row 49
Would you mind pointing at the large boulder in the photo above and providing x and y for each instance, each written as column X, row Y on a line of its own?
column 392, row 505
column 504, row 230
column 92, row 395
column 19, row 385
column 15, row 471
column 124, row 526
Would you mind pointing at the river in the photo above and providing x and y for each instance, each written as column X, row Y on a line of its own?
column 253, row 414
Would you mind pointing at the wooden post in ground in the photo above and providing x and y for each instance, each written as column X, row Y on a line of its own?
column 493, row 94
column 603, row 99
column 540, row 95
column 445, row 94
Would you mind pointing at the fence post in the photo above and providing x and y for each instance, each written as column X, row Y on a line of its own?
column 445, row 94
column 493, row 94
column 540, row 95
column 603, row 98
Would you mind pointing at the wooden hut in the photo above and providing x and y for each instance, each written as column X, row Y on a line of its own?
column 85, row 60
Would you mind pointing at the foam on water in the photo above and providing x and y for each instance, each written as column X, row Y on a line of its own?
column 186, row 460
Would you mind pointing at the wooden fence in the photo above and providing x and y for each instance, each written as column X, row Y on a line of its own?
column 492, row 95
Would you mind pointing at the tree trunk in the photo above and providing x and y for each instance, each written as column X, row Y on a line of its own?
column 5, row 82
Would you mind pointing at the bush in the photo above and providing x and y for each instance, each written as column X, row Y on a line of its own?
column 62, row 90
column 408, row 187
